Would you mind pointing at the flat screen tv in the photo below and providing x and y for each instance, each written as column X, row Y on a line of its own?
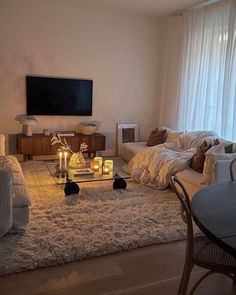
column 59, row 96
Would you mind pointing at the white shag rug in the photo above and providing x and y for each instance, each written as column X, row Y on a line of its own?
column 103, row 221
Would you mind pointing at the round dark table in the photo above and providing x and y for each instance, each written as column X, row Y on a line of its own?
column 214, row 211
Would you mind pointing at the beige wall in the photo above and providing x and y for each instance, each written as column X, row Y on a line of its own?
column 67, row 38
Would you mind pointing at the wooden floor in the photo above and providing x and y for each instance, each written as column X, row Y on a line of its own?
column 145, row 271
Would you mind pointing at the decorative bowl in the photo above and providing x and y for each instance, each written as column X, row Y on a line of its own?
column 87, row 129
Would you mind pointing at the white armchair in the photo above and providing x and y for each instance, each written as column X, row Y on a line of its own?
column 14, row 197
column 6, row 208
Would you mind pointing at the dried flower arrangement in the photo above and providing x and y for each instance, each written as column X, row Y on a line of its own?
column 77, row 159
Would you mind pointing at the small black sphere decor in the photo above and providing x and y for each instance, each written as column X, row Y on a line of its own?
column 119, row 183
column 71, row 187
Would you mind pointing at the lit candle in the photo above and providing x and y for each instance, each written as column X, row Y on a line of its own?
column 65, row 164
column 60, row 161
column 99, row 159
column 106, row 169
column 109, row 163
column 94, row 165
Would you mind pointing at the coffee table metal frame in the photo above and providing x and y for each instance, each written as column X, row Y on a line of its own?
column 81, row 179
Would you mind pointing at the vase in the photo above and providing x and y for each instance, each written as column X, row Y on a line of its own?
column 77, row 161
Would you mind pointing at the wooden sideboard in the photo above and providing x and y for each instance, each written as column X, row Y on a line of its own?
column 40, row 144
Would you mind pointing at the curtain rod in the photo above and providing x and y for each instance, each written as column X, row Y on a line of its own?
column 194, row 7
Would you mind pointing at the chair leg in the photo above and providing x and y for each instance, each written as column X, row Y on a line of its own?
column 185, row 278
column 210, row 272
column 182, row 278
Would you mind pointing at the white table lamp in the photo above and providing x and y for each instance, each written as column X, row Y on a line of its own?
column 27, row 122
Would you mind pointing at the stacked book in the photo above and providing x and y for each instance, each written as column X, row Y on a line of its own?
column 65, row 133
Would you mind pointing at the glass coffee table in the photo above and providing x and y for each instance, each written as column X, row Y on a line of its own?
column 85, row 178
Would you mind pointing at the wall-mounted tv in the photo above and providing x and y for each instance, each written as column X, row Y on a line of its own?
column 59, row 96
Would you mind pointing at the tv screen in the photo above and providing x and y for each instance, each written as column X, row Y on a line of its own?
column 59, row 96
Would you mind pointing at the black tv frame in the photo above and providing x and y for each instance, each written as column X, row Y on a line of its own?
column 50, row 112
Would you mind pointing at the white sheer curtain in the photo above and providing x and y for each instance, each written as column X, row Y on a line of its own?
column 207, row 96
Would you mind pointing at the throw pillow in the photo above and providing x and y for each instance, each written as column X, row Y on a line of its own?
column 194, row 139
column 173, row 136
column 216, row 149
column 198, row 159
column 156, row 137
column 229, row 149
column 209, row 165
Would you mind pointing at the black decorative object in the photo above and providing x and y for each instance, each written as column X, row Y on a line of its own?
column 119, row 182
column 71, row 187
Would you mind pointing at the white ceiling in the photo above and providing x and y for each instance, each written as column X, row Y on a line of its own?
column 156, row 8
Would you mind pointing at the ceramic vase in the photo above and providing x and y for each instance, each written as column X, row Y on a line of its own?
column 77, row 161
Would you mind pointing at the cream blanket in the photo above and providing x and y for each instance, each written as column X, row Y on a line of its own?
column 157, row 164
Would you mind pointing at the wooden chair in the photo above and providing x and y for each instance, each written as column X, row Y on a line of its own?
column 233, row 169
column 200, row 250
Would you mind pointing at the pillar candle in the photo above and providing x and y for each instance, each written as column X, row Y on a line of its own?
column 65, row 164
column 99, row 159
column 109, row 163
column 94, row 165
column 106, row 169
column 60, row 161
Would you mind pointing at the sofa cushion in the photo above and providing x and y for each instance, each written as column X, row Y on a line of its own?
column 130, row 149
column 20, row 195
column 156, row 137
column 173, row 136
column 192, row 180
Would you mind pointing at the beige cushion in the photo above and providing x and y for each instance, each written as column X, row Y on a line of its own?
column 195, row 138
column 173, row 136
column 192, row 180
column 2, row 145
column 130, row 149
column 20, row 194
column 209, row 165
column 216, row 149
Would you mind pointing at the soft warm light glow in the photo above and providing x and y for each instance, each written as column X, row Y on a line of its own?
column 94, row 165
column 65, row 157
column 106, row 169
column 109, row 163
column 100, row 160
column 60, row 161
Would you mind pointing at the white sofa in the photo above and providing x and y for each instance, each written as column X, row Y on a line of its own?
column 192, row 180
column 14, row 197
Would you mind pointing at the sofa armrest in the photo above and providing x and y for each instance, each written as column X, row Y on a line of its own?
column 6, row 217
column 2, row 145
column 222, row 171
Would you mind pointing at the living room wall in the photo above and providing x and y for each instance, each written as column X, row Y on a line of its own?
column 68, row 38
